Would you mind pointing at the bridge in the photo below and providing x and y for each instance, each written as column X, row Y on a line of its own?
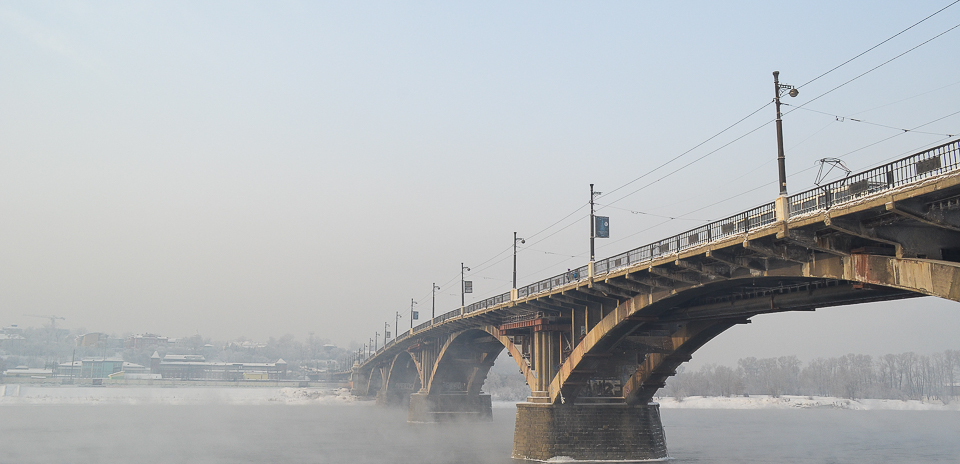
column 596, row 343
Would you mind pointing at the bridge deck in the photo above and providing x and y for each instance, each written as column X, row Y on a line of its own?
column 743, row 241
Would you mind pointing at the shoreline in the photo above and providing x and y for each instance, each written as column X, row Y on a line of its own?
column 17, row 394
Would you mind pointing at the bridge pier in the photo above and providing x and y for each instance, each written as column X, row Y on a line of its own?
column 392, row 398
column 449, row 406
column 359, row 382
column 589, row 432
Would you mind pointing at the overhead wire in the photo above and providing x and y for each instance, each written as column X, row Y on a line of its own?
column 874, row 68
column 798, row 172
column 741, row 137
column 862, row 121
column 692, row 162
column 691, row 149
column 879, row 44
column 908, row 98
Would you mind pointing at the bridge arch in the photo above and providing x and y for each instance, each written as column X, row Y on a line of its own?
column 638, row 324
column 466, row 357
column 401, row 379
column 374, row 382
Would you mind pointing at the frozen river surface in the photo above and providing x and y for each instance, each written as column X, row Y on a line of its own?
column 362, row 433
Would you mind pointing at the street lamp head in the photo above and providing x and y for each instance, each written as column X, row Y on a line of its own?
column 794, row 92
column 523, row 241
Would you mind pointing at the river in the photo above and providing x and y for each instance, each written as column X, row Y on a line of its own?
column 363, row 433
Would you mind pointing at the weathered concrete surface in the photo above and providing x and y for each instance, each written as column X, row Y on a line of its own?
column 589, row 432
column 449, row 406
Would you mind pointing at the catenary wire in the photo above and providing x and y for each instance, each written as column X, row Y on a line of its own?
column 879, row 44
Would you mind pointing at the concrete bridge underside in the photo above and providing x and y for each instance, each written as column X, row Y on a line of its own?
column 595, row 351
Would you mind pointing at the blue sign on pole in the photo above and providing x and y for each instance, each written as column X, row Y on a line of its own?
column 416, row 315
column 602, row 226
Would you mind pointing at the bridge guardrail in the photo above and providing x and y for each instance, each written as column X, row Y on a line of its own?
column 492, row 301
column 937, row 160
column 734, row 225
column 574, row 275
column 420, row 327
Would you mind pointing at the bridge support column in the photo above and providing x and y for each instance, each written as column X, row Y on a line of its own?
column 589, row 432
column 358, row 383
column 392, row 398
column 449, row 406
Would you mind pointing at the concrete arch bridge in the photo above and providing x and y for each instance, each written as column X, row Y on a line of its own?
column 596, row 343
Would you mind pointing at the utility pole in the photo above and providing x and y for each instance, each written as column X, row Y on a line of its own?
column 463, row 288
column 396, row 324
column 778, row 89
column 515, row 239
column 411, row 313
column 433, row 302
column 593, row 225
column 376, row 341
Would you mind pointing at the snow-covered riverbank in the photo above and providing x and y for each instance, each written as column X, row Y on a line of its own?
column 802, row 402
column 24, row 394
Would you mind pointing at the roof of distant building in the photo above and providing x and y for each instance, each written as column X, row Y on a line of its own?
column 184, row 358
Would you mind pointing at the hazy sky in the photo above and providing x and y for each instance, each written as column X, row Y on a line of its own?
column 255, row 169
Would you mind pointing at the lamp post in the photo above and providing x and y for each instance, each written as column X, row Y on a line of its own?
column 593, row 226
column 433, row 302
column 396, row 324
column 411, row 313
column 463, row 288
column 778, row 91
column 376, row 341
column 515, row 240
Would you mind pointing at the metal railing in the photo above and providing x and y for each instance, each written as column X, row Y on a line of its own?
column 931, row 162
column 422, row 326
column 574, row 275
column 487, row 303
column 937, row 160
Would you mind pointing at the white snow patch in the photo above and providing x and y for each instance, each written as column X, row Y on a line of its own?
column 802, row 402
column 174, row 395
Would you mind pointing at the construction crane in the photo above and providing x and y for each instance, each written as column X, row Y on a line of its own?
column 53, row 319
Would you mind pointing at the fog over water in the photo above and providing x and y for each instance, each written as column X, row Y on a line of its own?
column 364, row 433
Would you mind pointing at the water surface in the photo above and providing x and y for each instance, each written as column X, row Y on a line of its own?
column 362, row 433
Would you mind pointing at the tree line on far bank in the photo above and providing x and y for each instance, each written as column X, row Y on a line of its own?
column 855, row 376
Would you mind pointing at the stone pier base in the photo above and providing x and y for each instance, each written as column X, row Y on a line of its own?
column 444, row 407
column 393, row 399
column 589, row 432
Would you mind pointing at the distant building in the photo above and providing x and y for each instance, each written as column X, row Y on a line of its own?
column 147, row 340
column 93, row 368
column 11, row 338
column 69, row 369
column 24, row 372
column 246, row 345
column 12, row 329
column 93, row 339
column 195, row 367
